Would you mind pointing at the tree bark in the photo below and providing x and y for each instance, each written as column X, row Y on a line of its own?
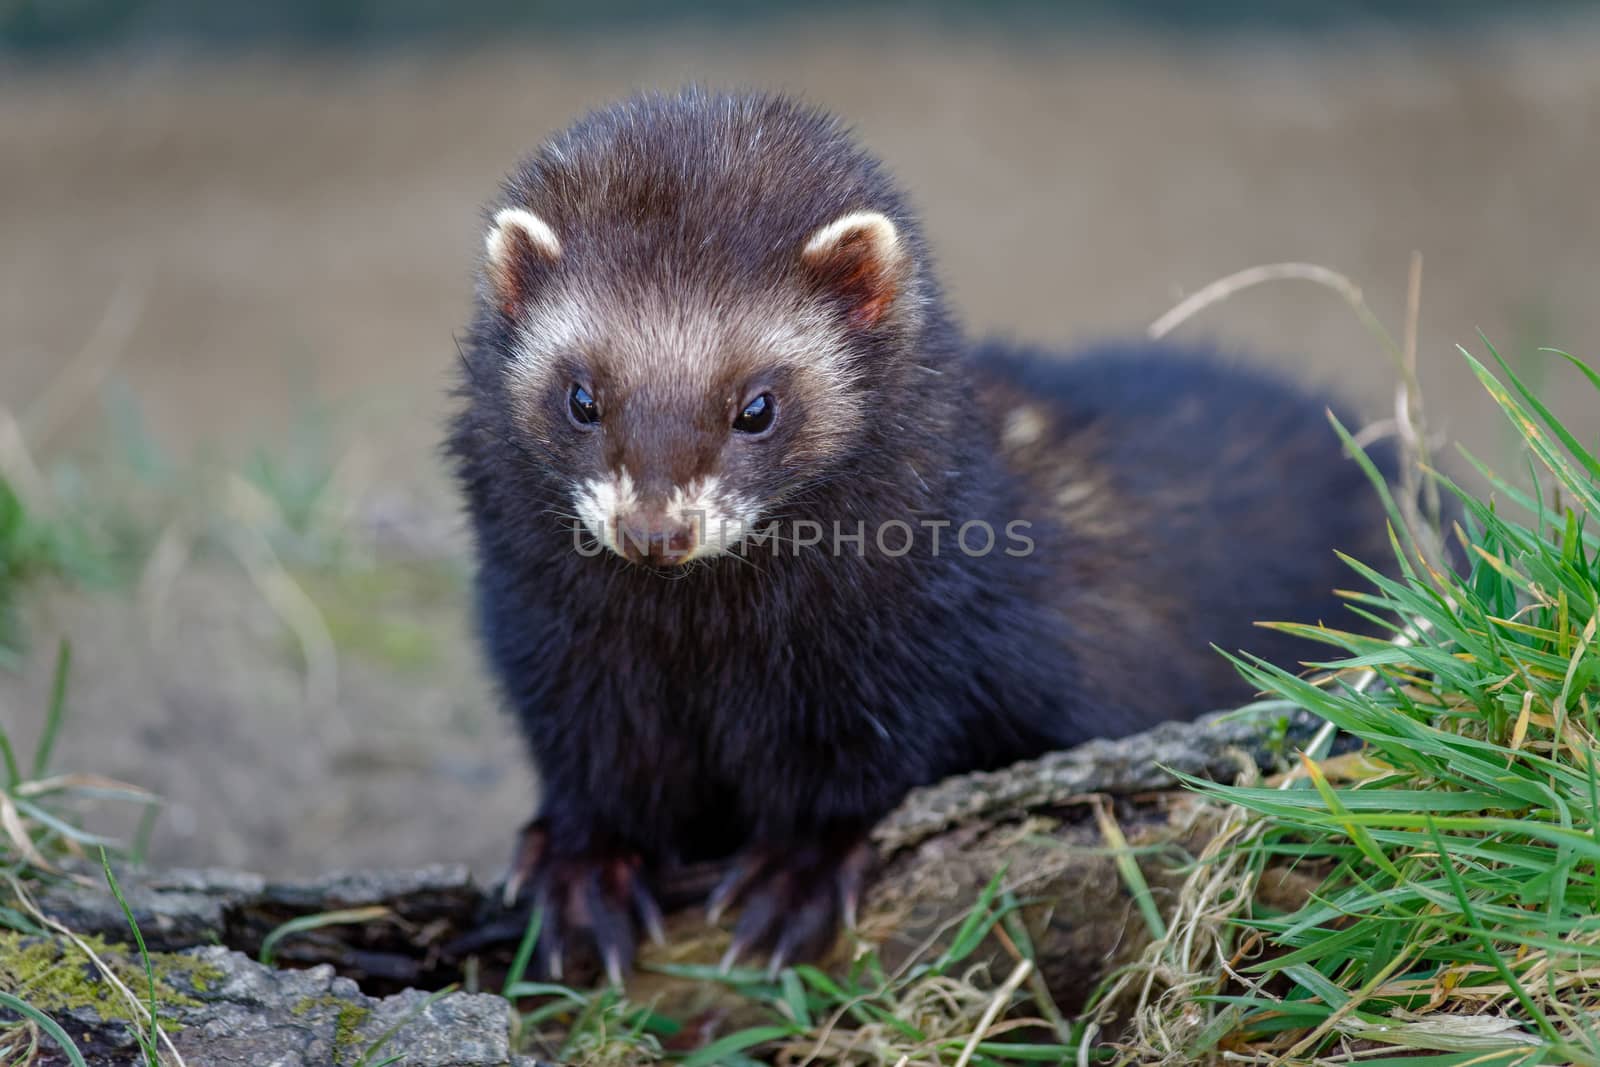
column 339, row 985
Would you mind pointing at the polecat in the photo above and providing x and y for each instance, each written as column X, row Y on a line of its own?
column 763, row 543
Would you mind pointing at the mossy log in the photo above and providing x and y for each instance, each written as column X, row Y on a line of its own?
column 335, row 989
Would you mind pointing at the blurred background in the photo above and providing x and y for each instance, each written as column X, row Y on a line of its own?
column 237, row 240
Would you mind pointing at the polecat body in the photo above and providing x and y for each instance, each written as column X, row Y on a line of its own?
column 703, row 315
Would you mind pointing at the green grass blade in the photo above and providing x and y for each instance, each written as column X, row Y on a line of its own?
column 55, row 713
column 720, row 1050
column 304, row 923
column 519, row 962
column 8, row 757
column 1487, row 942
column 45, row 1023
column 389, row 1034
column 152, row 1042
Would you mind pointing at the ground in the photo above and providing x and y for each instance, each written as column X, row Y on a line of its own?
column 256, row 252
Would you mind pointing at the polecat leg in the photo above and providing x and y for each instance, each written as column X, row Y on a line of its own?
column 792, row 896
column 601, row 891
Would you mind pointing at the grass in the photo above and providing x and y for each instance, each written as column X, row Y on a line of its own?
column 294, row 520
column 1451, row 866
column 40, row 811
column 940, row 1006
column 149, row 1040
column 36, row 545
column 1453, row 863
column 286, row 519
column 592, row 1028
column 41, row 816
column 1448, row 909
column 12, row 1044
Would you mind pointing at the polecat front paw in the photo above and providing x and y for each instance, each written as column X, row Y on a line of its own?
column 792, row 897
column 601, row 891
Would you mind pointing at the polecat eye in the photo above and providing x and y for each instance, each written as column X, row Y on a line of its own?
column 581, row 406
column 757, row 415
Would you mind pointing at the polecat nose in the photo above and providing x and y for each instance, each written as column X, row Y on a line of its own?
column 654, row 539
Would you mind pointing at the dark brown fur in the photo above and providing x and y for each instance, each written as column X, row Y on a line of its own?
column 772, row 705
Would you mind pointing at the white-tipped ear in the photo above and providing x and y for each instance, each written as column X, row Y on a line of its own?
column 859, row 227
column 520, row 247
column 860, row 258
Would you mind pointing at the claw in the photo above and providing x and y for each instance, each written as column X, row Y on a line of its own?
column 852, row 872
column 613, row 961
column 601, row 892
column 793, row 898
column 732, row 886
column 736, row 948
column 649, row 913
column 780, row 956
column 550, row 955
column 606, row 897
column 526, row 861
column 751, row 928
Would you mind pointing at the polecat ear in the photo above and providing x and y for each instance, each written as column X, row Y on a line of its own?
column 860, row 258
column 521, row 247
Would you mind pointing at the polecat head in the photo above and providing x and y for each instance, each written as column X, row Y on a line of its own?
column 696, row 304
